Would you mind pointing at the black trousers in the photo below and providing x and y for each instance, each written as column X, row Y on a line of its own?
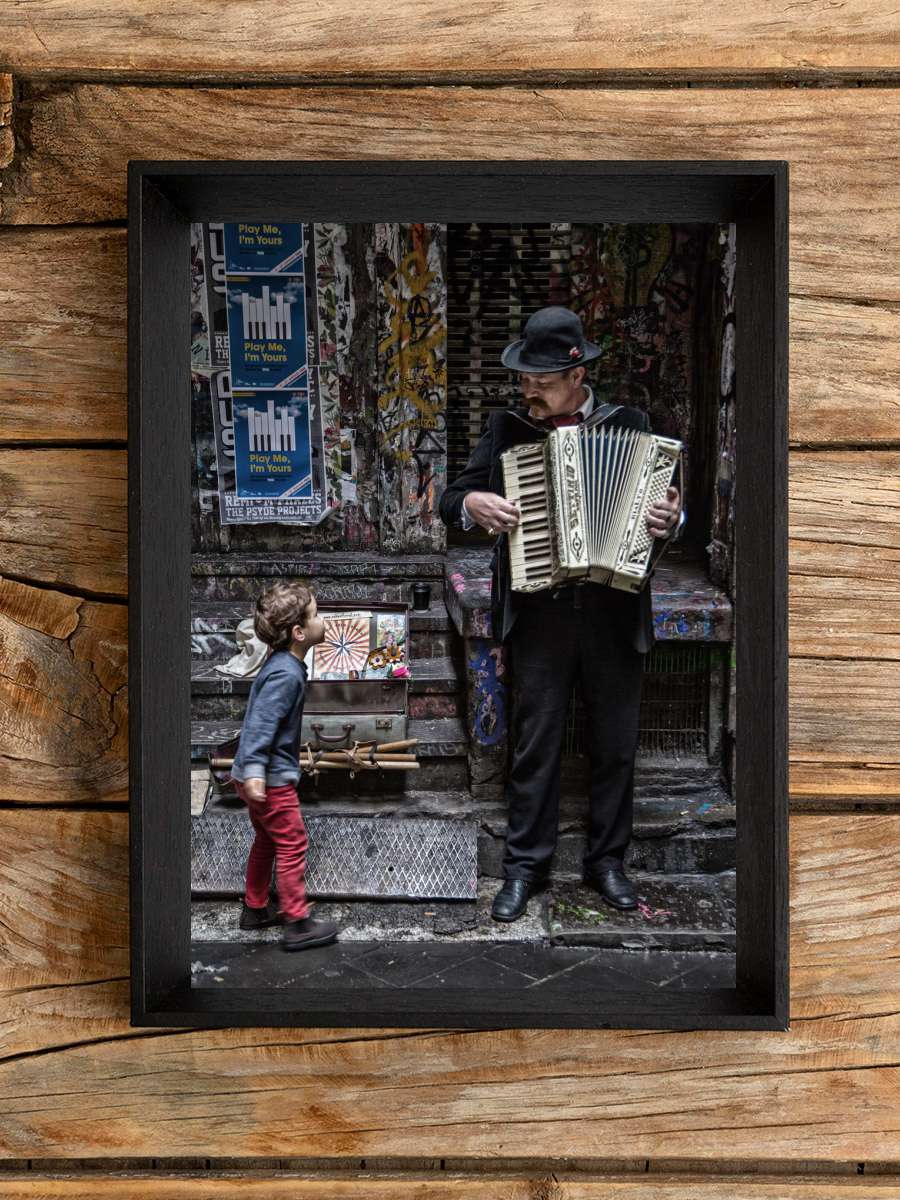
column 557, row 638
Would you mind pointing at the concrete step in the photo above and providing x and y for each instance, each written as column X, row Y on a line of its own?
column 683, row 913
column 675, row 912
column 671, row 835
column 676, row 834
column 213, row 623
column 434, row 690
column 354, row 576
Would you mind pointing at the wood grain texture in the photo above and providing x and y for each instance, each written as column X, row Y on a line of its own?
column 63, row 697
column 548, row 1185
column 7, row 140
column 831, row 782
column 63, row 518
column 844, row 563
column 436, row 39
column 841, row 144
column 76, row 1081
column 64, row 886
column 62, row 325
column 62, row 328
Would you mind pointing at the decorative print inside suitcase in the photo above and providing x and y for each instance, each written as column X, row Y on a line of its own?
column 358, row 677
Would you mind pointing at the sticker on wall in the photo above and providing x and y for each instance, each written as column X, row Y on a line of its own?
column 215, row 311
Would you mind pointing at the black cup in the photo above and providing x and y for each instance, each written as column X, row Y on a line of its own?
column 421, row 596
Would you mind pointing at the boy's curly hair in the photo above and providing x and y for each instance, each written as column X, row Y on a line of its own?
column 278, row 610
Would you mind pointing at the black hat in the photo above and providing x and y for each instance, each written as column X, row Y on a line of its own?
column 554, row 341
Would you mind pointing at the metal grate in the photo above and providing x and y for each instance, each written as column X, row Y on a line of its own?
column 497, row 276
column 674, row 717
column 409, row 858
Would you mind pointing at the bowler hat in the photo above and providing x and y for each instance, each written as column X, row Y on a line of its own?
column 554, row 341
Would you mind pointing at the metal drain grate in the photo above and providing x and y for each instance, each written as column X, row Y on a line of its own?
column 409, row 858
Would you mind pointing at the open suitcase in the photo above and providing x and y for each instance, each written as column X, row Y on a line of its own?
column 354, row 693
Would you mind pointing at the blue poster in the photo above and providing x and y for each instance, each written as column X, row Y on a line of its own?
column 267, row 331
column 272, row 457
column 263, row 248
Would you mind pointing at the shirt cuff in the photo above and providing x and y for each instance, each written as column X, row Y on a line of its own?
column 464, row 517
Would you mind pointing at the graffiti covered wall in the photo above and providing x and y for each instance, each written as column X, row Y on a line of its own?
column 410, row 269
column 379, row 339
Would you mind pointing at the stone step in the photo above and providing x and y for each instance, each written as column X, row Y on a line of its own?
column 687, row 607
column 441, row 753
column 213, row 623
column 671, row 835
column 675, row 912
column 677, row 834
column 683, row 914
column 434, row 690
column 354, row 576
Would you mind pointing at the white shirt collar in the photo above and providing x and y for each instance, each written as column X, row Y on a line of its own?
column 589, row 403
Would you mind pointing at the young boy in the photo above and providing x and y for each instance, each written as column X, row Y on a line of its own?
column 266, row 768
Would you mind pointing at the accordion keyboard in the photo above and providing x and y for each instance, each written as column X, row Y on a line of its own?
column 530, row 550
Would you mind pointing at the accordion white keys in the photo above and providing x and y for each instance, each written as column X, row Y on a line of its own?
column 583, row 493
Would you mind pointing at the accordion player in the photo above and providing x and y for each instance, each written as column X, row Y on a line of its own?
column 583, row 493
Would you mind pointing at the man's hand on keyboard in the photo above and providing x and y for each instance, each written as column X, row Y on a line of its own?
column 492, row 512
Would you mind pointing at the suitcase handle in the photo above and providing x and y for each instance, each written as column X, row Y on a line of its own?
column 332, row 739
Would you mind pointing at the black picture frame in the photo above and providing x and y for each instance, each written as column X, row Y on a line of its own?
column 163, row 199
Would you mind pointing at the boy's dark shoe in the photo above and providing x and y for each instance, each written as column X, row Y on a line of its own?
column 305, row 932
column 259, row 918
column 614, row 886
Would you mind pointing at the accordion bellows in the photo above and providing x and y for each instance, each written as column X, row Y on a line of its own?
column 583, row 494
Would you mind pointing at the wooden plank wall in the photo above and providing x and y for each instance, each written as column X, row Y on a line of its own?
column 437, row 1113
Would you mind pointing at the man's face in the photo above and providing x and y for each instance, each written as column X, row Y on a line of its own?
column 553, row 394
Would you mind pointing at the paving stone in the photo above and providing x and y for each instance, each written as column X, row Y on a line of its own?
column 659, row 970
column 378, row 964
column 406, row 964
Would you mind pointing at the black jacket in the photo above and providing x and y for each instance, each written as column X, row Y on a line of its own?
column 483, row 473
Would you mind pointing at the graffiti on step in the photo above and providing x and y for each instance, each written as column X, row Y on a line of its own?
column 488, row 692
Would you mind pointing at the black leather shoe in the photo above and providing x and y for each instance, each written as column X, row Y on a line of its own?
column 614, row 886
column 512, row 900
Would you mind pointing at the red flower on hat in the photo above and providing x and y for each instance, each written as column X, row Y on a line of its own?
column 575, row 352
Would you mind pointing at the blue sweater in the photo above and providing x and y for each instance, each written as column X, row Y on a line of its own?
column 271, row 732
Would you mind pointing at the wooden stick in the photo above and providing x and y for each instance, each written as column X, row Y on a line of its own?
column 361, row 755
column 405, row 745
column 323, row 764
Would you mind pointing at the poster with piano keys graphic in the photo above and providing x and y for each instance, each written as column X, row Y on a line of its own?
column 267, row 331
column 263, row 247
column 272, row 454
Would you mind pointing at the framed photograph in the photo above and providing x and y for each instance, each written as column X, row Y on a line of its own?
column 458, row 594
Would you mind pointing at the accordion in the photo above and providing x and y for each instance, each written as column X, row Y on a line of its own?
column 583, row 495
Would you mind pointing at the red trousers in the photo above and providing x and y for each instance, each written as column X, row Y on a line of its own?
column 280, row 839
